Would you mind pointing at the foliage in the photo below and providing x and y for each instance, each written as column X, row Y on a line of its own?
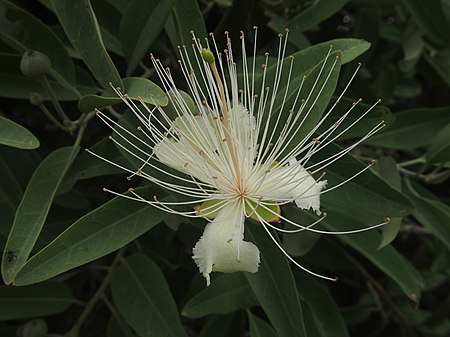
column 79, row 262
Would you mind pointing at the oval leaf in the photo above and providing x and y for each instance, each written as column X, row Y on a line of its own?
column 143, row 297
column 142, row 23
column 135, row 87
column 15, row 135
column 227, row 293
column 274, row 286
column 104, row 230
column 38, row 300
column 439, row 151
column 33, row 210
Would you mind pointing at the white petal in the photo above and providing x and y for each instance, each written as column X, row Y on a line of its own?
column 293, row 182
column 222, row 248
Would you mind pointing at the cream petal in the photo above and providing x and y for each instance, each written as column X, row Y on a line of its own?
column 222, row 248
column 293, row 182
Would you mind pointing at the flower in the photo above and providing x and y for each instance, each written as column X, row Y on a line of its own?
column 233, row 149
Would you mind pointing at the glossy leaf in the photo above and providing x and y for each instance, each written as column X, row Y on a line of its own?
column 227, row 293
column 29, row 32
column 98, row 233
column 439, row 150
column 259, row 327
column 142, row 23
column 274, row 285
column 33, row 209
column 135, row 87
column 78, row 19
column 327, row 316
column 15, row 135
column 143, row 297
column 412, row 128
column 38, row 300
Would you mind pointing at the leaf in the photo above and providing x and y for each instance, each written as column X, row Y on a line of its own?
column 259, row 327
column 326, row 313
column 274, row 286
column 227, row 293
column 441, row 64
column 29, row 32
column 15, row 135
column 33, row 209
column 387, row 169
column 81, row 27
column 431, row 19
column 433, row 215
column 439, row 150
column 142, row 23
column 366, row 197
column 98, row 233
column 412, row 128
column 219, row 325
column 135, row 87
column 387, row 259
column 189, row 19
column 143, row 297
column 38, row 300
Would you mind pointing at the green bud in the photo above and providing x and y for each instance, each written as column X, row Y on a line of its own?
column 34, row 328
column 36, row 99
column 208, row 56
column 35, row 64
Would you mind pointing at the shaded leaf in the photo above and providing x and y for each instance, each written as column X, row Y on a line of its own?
column 143, row 297
column 274, row 286
column 439, row 150
column 189, row 19
column 78, row 20
column 15, row 135
column 259, row 327
column 38, row 300
column 227, row 293
column 142, row 23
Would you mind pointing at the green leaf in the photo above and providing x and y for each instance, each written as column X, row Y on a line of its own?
column 38, row 300
column 433, row 215
column 387, row 169
column 142, row 23
column 430, row 17
column 219, row 326
column 117, row 327
column 366, row 197
column 28, row 32
column 143, row 297
column 15, row 135
column 189, row 19
column 439, row 150
column 441, row 63
column 327, row 315
column 412, row 128
column 386, row 259
column 100, row 232
column 227, row 293
column 81, row 27
column 109, row 19
column 259, row 327
column 33, row 209
column 135, row 87
column 274, row 285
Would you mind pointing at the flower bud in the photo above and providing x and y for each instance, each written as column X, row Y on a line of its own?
column 35, row 64
column 208, row 56
column 34, row 328
column 36, row 98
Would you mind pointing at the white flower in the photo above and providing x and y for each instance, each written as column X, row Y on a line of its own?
column 237, row 155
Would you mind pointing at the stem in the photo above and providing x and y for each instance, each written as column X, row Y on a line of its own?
column 412, row 162
column 51, row 117
column 55, row 101
column 226, row 125
column 75, row 331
